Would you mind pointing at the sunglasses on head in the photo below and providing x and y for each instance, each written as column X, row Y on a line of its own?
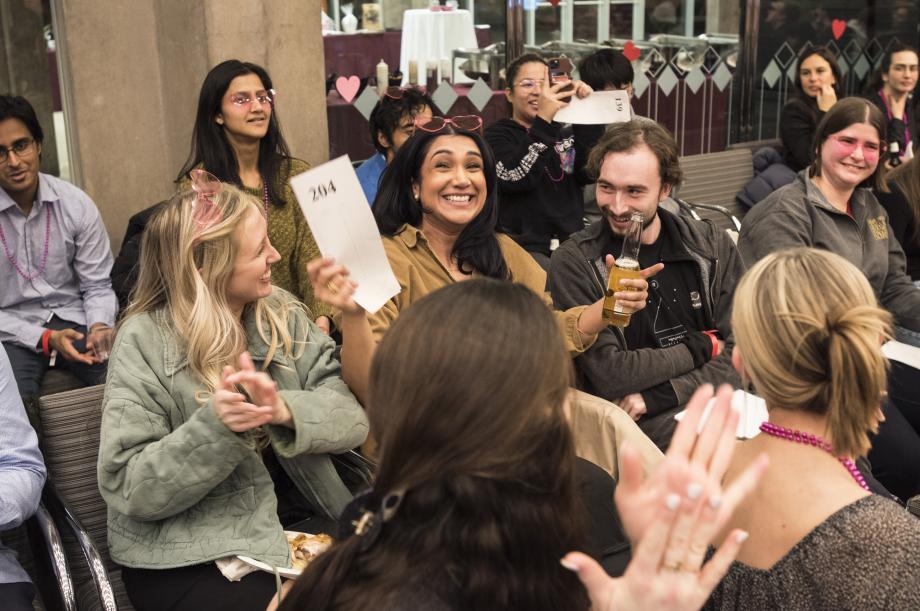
column 397, row 93
column 205, row 211
column 466, row 123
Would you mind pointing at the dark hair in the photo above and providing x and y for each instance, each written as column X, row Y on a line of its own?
column 825, row 54
column 515, row 66
column 17, row 107
column 476, row 249
column 212, row 150
column 622, row 137
column 844, row 113
column 876, row 82
column 388, row 113
column 484, row 455
column 604, row 68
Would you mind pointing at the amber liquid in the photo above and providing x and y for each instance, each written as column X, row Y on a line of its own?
column 614, row 313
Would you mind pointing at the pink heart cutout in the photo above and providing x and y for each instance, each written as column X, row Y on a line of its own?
column 631, row 51
column 347, row 87
column 838, row 27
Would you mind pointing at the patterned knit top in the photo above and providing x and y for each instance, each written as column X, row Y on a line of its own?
column 866, row 555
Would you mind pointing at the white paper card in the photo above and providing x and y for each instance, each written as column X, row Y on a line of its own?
column 343, row 225
column 753, row 411
column 903, row 353
column 601, row 107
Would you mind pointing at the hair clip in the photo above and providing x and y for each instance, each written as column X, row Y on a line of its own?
column 205, row 211
column 369, row 525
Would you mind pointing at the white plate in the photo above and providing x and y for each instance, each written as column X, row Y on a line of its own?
column 287, row 572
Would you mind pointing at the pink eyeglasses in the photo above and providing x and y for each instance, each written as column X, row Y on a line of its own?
column 466, row 123
column 205, row 212
column 246, row 99
column 847, row 145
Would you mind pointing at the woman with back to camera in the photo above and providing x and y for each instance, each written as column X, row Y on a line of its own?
column 828, row 207
column 474, row 502
column 222, row 406
column 817, row 88
column 902, row 203
column 891, row 90
column 237, row 138
column 819, row 538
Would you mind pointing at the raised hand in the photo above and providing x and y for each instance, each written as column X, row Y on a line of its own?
column 262, row 390
column 331, row 284
column 232, row 408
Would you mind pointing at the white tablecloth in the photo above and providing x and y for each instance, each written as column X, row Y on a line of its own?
column 431, row 36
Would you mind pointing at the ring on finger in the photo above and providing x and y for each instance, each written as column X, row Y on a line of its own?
column 332, row 287
column 673, row 566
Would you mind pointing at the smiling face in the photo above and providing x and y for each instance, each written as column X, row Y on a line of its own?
column 524, row 92
column 252, row 276
column 814, row 73
column 629, row 182
column 248, row 120
column 19, row 174
column 902, row 74
column 452, row 184
column 850, row 156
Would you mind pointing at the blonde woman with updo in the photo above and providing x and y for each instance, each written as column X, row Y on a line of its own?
column 222, row 405
column 808, row 330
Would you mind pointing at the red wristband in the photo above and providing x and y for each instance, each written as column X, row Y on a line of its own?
column 715, row 343
column 46, row 350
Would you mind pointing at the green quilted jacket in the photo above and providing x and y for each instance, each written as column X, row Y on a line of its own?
column 183, row 489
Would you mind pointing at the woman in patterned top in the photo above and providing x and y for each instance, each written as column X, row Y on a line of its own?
column 237, row 137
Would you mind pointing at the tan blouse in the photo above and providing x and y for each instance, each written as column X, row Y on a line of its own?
column 419, row 272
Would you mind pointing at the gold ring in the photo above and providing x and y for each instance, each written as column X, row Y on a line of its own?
column 332, row 287
column 673, row 566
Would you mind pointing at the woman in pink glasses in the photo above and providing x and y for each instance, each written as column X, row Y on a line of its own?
column 237, row 138
column 831, row 206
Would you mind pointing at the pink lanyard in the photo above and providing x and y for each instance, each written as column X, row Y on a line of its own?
column 907, row 141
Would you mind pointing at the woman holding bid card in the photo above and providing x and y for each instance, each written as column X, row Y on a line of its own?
column 540, row 165
column 222, row 406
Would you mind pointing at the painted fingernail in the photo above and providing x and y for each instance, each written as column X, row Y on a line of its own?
column 715, row 502
column 694, row 491
column 566, row 563
column 672, row 501
column 741, row 537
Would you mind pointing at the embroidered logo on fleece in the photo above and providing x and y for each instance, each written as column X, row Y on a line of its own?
column 879, row 227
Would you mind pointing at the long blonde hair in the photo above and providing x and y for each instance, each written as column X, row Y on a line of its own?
column 183, row 277
column 809, row 329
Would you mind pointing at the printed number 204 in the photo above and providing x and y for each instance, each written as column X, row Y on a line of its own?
column 321, row 191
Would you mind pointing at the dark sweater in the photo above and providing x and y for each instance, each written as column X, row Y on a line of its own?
column 539, row 198
column 896, row 125
column 797, row 125
column 904, row 225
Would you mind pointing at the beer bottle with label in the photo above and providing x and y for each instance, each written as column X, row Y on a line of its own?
column 627, row 266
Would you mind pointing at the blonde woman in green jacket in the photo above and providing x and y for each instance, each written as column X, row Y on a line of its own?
column 222, row 405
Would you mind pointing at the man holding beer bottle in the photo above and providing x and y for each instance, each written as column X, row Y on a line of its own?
column 650, row 363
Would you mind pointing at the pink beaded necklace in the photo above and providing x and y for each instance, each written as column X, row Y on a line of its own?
column 813, row 440
column 265, row 195
column 12, row 259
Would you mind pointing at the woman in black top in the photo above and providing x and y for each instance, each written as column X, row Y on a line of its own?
column 891, row 90
column 902, row 203
column 540, row 175
column 817, row 89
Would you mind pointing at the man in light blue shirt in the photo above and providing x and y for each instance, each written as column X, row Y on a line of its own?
column 57, row 307
column 392, row 122
column 22, row 475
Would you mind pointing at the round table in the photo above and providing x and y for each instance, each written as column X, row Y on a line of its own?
column 429, row 37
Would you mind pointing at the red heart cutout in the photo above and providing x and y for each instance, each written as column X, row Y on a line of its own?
column 630, row 51
column 347, row 87
column 554, row 2
column 838, row 26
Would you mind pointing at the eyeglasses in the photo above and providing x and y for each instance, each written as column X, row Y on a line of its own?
column 466, row 123
column 529, row 84
column 847, row 146
column 205, row 212
column 246, row 100
column 397, row 93
column 22, row 148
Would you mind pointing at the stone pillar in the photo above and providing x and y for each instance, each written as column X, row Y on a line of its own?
column 133, row 71
column 24, row 67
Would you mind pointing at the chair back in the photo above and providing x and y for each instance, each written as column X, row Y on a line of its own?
column 71, row 422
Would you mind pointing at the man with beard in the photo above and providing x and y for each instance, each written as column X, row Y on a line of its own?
column 683, row 337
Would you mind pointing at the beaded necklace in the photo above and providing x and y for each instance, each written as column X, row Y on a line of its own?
column 265, row 195
column 813, row 440
column 12, row 259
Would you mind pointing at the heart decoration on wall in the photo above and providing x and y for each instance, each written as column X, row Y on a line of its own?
column 554, row 2
column 347, row 87
column 838, row 27
column 631, row 51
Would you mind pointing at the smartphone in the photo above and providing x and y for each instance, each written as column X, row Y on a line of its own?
column 560, row 71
